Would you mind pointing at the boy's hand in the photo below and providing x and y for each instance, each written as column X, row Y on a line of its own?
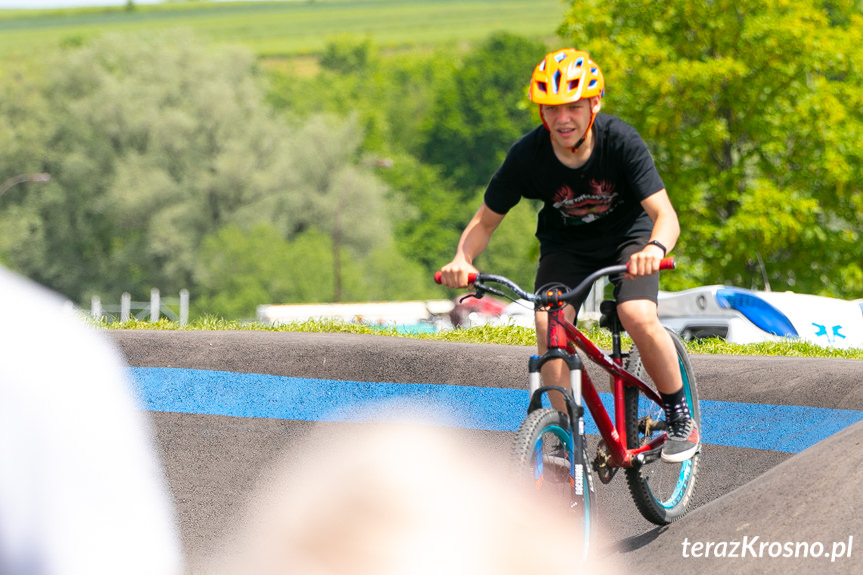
column 645, row 262
column 455, row 274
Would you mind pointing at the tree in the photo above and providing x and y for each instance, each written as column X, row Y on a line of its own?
column 752, row 110
column 152, row 143
column 155, row 144
column 391, row 94
column 24, row 128
column 388, row 97
column 240, row 269
column 334, row 191
column 482, row 111
column 430, row 215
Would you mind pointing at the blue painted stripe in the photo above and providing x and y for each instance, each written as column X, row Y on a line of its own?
column 773, row 427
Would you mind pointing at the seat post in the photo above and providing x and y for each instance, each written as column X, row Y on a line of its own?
column 609, row 319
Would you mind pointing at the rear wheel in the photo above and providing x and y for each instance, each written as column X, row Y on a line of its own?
column 542, row 455
column 661, row 491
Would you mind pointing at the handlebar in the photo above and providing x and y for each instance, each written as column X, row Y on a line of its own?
column 550, row 296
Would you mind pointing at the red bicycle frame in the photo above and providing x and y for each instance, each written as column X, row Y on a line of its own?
column 565, row 337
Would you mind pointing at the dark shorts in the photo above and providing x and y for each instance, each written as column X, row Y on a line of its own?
column 570, row 269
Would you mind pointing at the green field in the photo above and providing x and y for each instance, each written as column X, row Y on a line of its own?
column 289, row 28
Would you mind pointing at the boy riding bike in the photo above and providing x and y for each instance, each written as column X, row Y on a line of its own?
column 604, row 204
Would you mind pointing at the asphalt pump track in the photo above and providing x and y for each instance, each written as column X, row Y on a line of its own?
column 756, row 510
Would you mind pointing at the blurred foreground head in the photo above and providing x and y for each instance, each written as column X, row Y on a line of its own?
column 397, row 499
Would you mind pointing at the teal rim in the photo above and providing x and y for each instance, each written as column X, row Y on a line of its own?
column 686, row 467
column 564, row 436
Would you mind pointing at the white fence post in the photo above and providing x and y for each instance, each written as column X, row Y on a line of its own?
column 154, row 305
column 590, row 307
column 96, row 307
column 125, row 311
column 125, row 307
column 184, row 307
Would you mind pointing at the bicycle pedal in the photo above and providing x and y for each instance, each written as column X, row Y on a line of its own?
column 604, row 471
column 648, row 456
column 647, row 426
column 606, row 474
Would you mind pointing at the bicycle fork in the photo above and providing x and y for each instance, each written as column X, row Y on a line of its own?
column 573, row 398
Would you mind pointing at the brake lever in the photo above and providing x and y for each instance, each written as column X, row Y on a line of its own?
column 483, row 289
column 480, row 291
column 470, row 295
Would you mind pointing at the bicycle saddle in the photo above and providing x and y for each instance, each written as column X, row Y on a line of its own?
column 608, row 314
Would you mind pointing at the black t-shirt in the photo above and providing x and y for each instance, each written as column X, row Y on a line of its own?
column 591, row 209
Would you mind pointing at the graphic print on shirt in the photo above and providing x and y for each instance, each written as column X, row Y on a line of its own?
column 598, row 201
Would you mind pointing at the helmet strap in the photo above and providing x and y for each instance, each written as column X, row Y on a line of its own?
column 586, row 132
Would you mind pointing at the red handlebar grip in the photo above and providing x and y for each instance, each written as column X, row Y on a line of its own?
column 470, row 278
column 664, row 264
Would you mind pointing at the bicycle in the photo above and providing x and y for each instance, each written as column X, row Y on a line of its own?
column 550, row 447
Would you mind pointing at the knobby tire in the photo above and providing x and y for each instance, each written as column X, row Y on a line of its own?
column 541, row 432
column 662, row 491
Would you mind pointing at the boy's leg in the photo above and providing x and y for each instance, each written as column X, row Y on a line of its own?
column 659, row 357
column 637, row 310
column 641, row 322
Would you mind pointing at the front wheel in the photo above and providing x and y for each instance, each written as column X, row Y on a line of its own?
column 661, row 491
column 542, row 455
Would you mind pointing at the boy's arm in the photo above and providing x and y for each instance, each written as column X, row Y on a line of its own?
column 666, row 230
column 473, row 241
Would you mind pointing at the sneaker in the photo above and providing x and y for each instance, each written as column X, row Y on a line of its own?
column 684, row 441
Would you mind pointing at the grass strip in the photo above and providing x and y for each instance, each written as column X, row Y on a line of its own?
column 503, row 335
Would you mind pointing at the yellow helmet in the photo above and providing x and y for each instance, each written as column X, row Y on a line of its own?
column 566, row 76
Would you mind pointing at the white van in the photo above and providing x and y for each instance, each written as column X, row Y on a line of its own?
column 747, row 316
